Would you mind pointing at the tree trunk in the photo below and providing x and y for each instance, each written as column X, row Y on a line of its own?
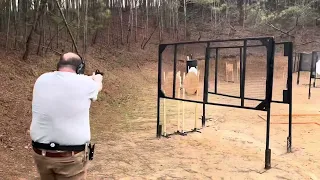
column 177, row 23
column 78, row 23
column 16, row 27
column 40, row 38
column 37, row 16
column 121, row 20
column 68, row 29
column 136, row 31
column 159, row 20
column 147, row 21
column 8, row 27
column 240, row 9
column 85, row 30
column 185, row 19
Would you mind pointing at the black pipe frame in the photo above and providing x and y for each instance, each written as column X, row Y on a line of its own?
column 246, row 98
column 216, row 70
column 218, row 40
column 289, row 52
column 299, row 66
column 313, row 69
column 310, row 77
column 269, row 84
column 205, row 86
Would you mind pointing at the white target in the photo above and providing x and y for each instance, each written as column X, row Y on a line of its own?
column 194, row 70
column 318, row 67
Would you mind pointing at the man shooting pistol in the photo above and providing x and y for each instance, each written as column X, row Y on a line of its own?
column 60, row 127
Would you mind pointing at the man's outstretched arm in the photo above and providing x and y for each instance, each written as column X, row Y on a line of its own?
column 96, row 86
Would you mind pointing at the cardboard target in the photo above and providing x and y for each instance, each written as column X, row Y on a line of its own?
column 191, row 83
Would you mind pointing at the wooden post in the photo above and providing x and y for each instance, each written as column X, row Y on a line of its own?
column 183, row 96
column 238, row 69
column 164, row 109
column 229, row 68
column 232, row 73
column 226, row 76
column 196, row 108
column 178, row 128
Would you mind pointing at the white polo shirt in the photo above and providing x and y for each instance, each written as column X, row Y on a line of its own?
column 60, row 108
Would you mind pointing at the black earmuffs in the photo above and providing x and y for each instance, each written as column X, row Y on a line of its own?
column 81, row 66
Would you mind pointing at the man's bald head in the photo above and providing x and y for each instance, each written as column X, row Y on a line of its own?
column 69, row 56
column 69, row 61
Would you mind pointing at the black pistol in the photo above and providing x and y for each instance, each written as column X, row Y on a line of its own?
column 91, row 151
column 98, row 72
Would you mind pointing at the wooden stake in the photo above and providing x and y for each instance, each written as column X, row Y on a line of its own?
column 196, row 108
column 183, row 96
column 196, row 112
column 232, row 74
column 227, row 72
column 229, row 68
column 164, row 108
column 238, row 69
column 178, row 128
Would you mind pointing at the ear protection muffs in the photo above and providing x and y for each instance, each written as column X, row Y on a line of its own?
column 81, row 67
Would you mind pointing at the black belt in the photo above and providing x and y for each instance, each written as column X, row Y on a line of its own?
column 55, row 146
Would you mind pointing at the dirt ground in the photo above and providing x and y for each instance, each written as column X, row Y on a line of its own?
column 231, row 146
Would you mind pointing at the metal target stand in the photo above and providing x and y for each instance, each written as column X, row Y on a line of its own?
column 265, row 104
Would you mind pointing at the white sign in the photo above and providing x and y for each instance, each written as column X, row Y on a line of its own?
column 318, row 67
column 194, row 70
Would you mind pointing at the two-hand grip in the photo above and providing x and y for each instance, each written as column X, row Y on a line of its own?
column 98, row 72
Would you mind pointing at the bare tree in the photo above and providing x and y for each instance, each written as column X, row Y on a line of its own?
column 38, row 14
column 8, row 27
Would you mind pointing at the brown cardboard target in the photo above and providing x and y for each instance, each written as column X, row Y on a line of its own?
column 168, row 83
column 191, row 83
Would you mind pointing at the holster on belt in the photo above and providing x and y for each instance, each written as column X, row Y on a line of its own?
column 91, row 151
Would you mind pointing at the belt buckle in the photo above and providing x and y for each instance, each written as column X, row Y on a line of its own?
column 52, row 145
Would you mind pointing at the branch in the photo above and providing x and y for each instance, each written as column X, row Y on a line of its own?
column 65, row 22
column 144, row 45
column 233, row 28
column 278, row 29
column 199, row 36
